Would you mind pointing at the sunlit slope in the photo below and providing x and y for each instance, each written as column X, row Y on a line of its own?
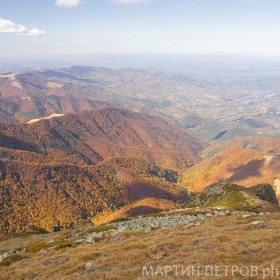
column 137, row 208
column 244, row 161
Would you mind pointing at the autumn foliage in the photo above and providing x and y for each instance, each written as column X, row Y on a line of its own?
column 56, row 172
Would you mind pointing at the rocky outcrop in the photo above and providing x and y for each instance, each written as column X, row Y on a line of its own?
column 264, row 192
column 185, row 218
column 261, row 198
column 214, row 189
column 11, row 252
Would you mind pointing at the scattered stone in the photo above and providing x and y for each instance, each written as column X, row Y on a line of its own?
column 88, row 266
column 11, row 252
column 261, row 224
column 122, row 229
column 23, row 250
column 90, row 238
column 219, row 213
column 260, row 214
column 43, row 251
column 50, row 241
column 189, row 225
column 208, row 215
column 246, row 215
column 6, row 254
column 81, row 240
column 140, row 228
column 51, row 248
column 154, row 224
column 257, row 222
column 200, row 216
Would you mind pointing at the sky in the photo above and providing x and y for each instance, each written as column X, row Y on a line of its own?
column 82, row 27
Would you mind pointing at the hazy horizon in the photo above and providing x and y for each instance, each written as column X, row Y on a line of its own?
column 167, row 62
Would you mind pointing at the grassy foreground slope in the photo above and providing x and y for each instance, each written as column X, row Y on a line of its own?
column 219, row 241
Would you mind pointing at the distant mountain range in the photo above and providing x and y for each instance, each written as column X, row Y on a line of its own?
column 24, row 96
column 27, row 96
column 245, row 102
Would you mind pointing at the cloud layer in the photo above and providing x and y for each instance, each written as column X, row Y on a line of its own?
column 67, row 3
column 7, row 26
column 129, row 1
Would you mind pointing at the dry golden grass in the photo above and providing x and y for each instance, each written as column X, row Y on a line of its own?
column 227, row 240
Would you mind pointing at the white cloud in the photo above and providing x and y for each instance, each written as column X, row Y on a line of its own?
column 129, row 1
column 7, row 26
column 67, row 3
column 33, row 32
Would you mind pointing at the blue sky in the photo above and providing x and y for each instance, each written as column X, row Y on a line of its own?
column 226, row 27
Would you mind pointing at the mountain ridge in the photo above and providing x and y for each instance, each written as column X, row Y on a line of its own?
column 88, row 163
